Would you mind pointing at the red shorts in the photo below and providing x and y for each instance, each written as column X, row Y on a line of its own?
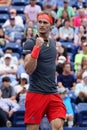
column 37, row 105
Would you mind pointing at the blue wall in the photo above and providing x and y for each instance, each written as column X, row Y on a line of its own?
column 23, row 128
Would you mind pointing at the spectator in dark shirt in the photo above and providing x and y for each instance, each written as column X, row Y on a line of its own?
column 80, row 4
column 7, row 90
column 66, row 79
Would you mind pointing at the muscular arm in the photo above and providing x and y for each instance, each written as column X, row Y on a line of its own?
column 30, row 64
column 30, row 61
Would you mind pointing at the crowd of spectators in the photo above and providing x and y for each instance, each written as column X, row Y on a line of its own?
column 70, row 34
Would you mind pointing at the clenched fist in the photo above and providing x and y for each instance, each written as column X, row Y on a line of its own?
column 39, row 41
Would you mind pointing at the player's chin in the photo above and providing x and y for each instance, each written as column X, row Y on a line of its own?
column 42, row 32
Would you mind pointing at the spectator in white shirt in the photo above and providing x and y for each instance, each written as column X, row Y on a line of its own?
column 66, row 33
column 8, row 69
column 14, row 59
column 23, row 83
column 81, row 89
column 18, row 19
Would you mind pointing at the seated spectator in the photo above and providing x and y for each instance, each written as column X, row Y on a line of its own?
column 66, row 7
column 29, row 24
column 61, row 58
column 77, row 20
column 29, row 33
column 81, row 89
column 49, row 5
column 79, row 56
column 14, row 59
column 31, row 11
column 84, row 24
column 23, row 83
column 77, row 37
column 62, row 51
column 8, row 69
column 80, row 4
column 59, row 64
column 2, row 38
column 5, row 2
column 18, row 19
column 79, row 48
column 63, row 17
column 68, row 104
column 7, row 109
column 66, row 79
column 7, row 90
column 21, row 89
column 66, row 33
column 81, row 68
column 14, row 33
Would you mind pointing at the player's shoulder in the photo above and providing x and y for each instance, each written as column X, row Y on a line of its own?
column 53, row 41
column 29, row 44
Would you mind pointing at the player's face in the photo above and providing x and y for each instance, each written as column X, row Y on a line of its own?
column 43, row 26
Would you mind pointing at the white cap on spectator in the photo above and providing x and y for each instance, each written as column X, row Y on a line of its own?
column 24, row 76
column 61, row 59
column 84, row 74
column 7, row 56
column 13, row 11
column 62, row 90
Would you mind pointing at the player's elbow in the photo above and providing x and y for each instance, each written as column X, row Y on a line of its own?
column 29, row 70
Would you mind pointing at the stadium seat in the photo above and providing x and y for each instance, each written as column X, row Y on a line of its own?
column 4, row 10
column 71, row 49
column 18, row 119
column 68, row 45
column 17, row 49
column 81, row 111
column 20, row 9
column 72, row 2
column 3, row 18
column 60, row 3
column 18, row 2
